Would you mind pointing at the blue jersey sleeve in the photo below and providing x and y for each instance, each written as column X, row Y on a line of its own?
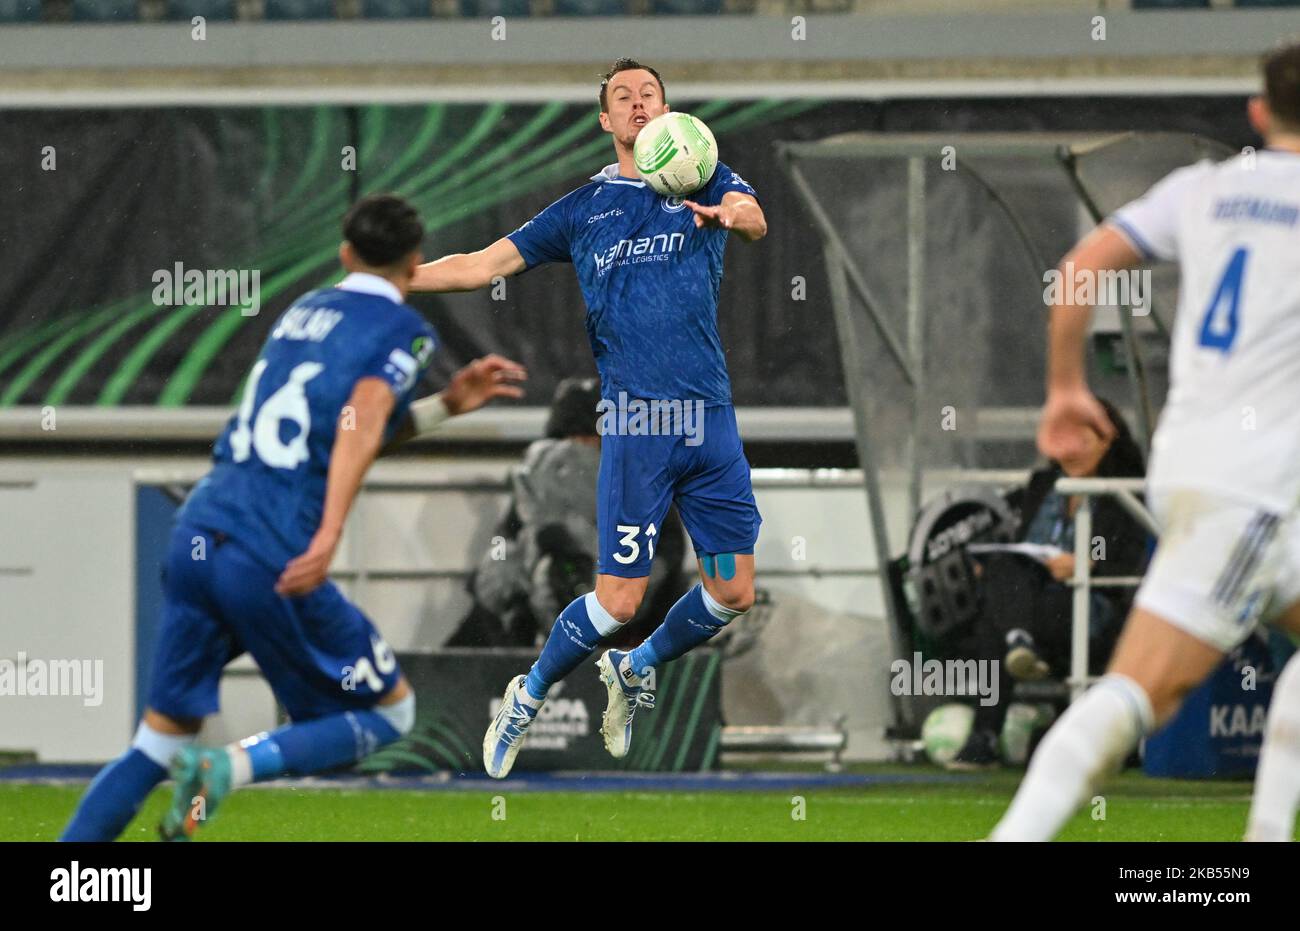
column 545, row 238
column 723, row 180
column 403, row 353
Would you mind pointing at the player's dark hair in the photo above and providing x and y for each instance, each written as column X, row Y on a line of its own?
column 627, row 64
column 1124, row 458
column 383, row 229
column 1282, row 84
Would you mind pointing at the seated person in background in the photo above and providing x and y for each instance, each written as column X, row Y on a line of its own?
column 1026, row 605
column 549, row 554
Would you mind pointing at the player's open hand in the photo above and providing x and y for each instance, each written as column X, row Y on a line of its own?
column 482, row 380
column 308, row 572
column 1068, row 416
column 717, row 217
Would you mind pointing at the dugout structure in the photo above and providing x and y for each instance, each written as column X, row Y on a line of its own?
column 935, row 247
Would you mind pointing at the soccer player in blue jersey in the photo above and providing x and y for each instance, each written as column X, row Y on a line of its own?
column 650, row 268
column 252, row 546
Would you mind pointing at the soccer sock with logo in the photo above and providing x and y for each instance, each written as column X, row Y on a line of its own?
column 1089, row 742
column 577, row 631
column 118, row 791
column 320, row 744
column 694, row 619
column 1277, row 780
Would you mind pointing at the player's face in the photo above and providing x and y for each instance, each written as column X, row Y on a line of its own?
column 632, row 99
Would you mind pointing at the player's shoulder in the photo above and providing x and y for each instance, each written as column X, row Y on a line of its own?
column 1191, row 178
column 726, row 176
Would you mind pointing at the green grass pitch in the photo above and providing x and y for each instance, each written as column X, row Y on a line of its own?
column 1136, row 809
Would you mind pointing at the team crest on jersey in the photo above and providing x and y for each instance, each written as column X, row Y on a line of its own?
column 422, row 348
column 672, row 204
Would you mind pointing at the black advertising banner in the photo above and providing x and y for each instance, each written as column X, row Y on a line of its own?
column 458, row 692
column 120, row 240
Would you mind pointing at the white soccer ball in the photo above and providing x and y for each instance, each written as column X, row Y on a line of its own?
column 675, row 154
column 946, row 730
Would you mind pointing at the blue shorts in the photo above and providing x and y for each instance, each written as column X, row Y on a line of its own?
column 640, row 475
column 318, row 652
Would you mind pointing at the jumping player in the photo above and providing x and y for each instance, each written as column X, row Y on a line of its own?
column 650, row 269
column 251, row 548
column 1223, row 482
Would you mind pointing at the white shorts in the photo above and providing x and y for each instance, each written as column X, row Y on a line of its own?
column 1221, row 565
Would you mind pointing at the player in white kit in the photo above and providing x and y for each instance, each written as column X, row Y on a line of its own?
column 1224, row 480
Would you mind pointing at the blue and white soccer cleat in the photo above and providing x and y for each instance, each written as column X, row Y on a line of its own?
column 506, row 734
column 203, row 780
column 627, row 692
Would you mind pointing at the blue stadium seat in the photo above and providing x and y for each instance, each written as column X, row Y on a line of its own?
column 103, row 11
column 1171, row 4
column 396, row 9
column 1266, row 3
column 489, row 8
column 215, row 10
column 299, row 9
column 20, row 11
column 590, row 7
column 686, row 7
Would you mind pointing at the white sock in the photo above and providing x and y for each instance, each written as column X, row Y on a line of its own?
column 1089, row 742
column 1277, row 780
column 241, row 766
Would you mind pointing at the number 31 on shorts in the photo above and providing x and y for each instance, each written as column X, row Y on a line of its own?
column 629, row 542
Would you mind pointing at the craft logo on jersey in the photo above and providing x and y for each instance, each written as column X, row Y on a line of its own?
column 655, row 248
column 672, row 204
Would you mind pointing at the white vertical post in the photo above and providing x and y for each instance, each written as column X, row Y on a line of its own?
column 1079, row 618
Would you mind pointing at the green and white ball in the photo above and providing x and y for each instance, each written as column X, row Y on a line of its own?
column 946, row 730
column 675, row 154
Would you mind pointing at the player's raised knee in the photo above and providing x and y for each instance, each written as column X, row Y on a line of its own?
column 622, row 606
column 737, row 597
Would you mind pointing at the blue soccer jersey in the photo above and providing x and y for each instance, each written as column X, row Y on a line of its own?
column 650, row 280
column 266, row 489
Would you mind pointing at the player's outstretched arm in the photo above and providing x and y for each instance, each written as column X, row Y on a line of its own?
column 473, row 386
column 469, row 271
column 356, row 444
column 738, row 212
column 1070, row 406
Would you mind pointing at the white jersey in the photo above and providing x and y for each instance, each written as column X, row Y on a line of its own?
column 1231, row 422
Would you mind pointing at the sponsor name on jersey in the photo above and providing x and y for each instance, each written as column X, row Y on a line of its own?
column 306, row 323
column 616, row 212
column 645, row 249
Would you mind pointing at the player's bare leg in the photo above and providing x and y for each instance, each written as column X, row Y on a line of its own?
column 1277, row 779
column 1154, row 666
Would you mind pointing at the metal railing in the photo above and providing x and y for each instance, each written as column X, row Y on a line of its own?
column 1125, row 491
